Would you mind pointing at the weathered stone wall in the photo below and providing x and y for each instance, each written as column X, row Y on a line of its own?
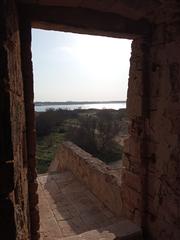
column 97, row 176
column 134, row 166
column 163, row 129
column 151, row 180
column 14, row 216
column 27, row 73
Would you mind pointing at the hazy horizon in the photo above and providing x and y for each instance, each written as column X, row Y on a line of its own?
column 78, row 67
column 81, row 101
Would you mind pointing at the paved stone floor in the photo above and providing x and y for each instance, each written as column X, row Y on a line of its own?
column 69, row 211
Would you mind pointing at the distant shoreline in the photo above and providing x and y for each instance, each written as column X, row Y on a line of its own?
column 75, row 103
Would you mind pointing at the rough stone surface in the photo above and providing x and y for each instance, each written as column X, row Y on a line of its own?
column 14, row 217
column 150, row 182
column 25, row 37
column 150, row 187
column 135, row 10
column 68, row 210
column 95, row 174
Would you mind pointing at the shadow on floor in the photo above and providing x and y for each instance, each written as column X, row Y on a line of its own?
column 69, row 209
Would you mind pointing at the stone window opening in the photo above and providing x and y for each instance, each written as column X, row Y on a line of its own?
column 48, row 184
column 149, row 191
column 135, row 106
column 115, row 121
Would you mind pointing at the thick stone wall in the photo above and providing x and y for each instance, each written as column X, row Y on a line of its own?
column 133, row 175
column 151, row 179
column 150, row 188
column 14, row 210
column 27, row 73
column 97, row 176
column 163, row 129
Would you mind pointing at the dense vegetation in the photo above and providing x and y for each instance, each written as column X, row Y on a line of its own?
column 93, row 130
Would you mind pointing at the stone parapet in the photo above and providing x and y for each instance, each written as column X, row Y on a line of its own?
column 94, row 173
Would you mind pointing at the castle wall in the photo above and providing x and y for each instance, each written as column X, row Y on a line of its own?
column 151, row 180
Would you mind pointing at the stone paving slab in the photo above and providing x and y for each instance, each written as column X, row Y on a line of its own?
column 68, row 210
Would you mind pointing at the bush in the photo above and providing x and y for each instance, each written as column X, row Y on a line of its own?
column 83, row 134
column 95, row 134
column 48, row 121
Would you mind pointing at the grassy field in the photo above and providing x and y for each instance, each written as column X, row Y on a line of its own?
column 45, row 150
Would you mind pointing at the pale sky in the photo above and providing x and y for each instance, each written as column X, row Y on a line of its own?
column 78, row 67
